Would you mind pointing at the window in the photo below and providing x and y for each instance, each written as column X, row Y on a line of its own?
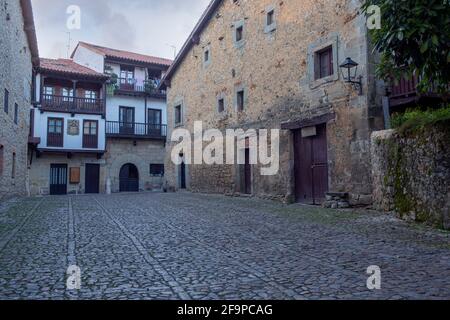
column 126, row 78
column 13, row 169
column 206, row 55
column 324, row 63
column 221, row 105
column 157, row 170
column 6, row 101
column 240, row 100
column 48, row 93
column 90, row 134
column 154, row 117
column 67, row 94
column 126, row 72
column 178, row 115
column 16, row 113
column 239, row 33
column 89, row 94
column 1, row 159
column 270, row 17
column 55, row 132
column 49, row 90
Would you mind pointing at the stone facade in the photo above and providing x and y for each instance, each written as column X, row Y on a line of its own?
column 40, row 172
column 411, row 174
column 140, row 153
column 275, row 67
column 15, row 77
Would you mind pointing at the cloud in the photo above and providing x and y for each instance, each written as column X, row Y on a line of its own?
column 145, row 26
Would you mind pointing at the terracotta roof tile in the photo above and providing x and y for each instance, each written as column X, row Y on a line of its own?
column 69, row 67
column 126, row 55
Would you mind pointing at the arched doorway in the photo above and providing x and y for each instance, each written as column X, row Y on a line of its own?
column 129, row 178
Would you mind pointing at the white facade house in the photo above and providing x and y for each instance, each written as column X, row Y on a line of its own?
column 99, row 124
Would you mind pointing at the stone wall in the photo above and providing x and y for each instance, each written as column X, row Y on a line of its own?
column 40, row 172
column 275, row 68
column 141, row 153
column 411, row 174
column 15, row 76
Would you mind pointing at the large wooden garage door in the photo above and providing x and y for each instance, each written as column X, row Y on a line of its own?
column 311, row 165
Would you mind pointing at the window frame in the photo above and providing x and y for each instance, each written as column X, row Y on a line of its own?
column 322, row 43
column 240, row 95
column 6, row 101
column 59, row 143
column 176, row 108
column 89, row 142
column 159, row 166
column 239, row 25
column 2, row 159
column 16, row 113
column 320, row 64
column 221, row 104
column 271, row 13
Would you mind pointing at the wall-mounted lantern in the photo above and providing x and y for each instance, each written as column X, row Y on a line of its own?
column 349, row 69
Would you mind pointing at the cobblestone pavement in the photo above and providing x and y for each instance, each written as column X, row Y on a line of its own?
column 193, row 246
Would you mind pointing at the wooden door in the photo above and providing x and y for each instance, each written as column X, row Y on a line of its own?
column 311, row 166
column 126, row 119
column 129, row 178
column 247, row 173
column 154, row 121
column 183, row 176
column 92, row 178
column 58, row 179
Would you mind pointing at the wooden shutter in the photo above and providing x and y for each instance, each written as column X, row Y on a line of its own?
column 74, row 175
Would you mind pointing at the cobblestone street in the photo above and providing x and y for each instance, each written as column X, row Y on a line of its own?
column 193, row 246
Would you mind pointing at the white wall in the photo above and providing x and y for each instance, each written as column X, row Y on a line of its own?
column 114, row 102
column 90, row 59
column 70, row 142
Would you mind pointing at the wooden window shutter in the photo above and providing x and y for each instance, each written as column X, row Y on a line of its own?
column 74, row 175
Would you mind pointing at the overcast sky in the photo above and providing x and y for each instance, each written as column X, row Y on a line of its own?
column 144, row 26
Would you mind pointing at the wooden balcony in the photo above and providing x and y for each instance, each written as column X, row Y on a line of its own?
column 66, row 104
column 405, row 91
column 116, row 129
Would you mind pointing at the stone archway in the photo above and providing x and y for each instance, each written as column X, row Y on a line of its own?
column 129, row 178
column 115, row 164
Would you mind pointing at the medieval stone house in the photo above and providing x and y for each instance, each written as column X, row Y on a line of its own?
column 18, row 54
column 275, row 64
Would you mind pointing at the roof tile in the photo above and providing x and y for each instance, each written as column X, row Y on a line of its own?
column 126, row 55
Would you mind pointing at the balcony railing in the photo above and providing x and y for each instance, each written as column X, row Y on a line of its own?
column 135, row 130
column 72, row 104
column 137, row 86
column 404, row 87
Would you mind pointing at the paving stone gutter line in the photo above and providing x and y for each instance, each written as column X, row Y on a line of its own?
column 263, row 277
column 71, row 248
column 153, row 262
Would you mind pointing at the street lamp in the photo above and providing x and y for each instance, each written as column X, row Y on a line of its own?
column 349, row 75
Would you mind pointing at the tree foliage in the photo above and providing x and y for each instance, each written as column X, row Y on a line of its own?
column 414, row 39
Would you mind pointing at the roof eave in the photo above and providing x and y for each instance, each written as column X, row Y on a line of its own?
column 192, row 39
column 30, row 30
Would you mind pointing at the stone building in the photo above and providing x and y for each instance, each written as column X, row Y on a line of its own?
column 18, row 55
column 99, row 123
column 270, row 64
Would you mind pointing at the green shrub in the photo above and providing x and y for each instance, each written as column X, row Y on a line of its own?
column 415, row 119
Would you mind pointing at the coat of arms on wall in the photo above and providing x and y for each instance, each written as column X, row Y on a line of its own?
column 73, row 127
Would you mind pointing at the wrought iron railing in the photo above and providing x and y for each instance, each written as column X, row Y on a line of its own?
column 133, row 130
